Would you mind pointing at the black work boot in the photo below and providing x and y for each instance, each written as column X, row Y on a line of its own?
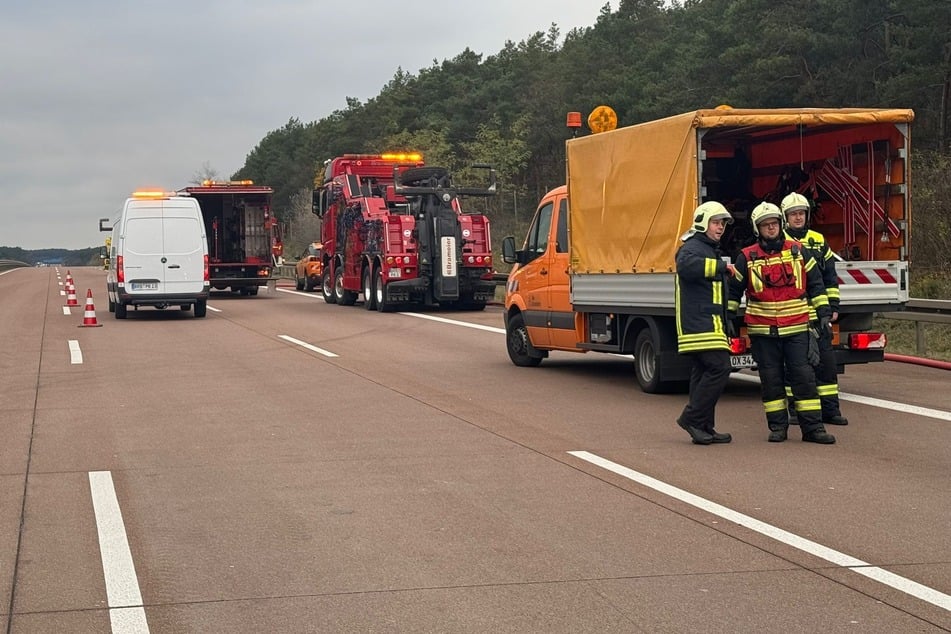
column 698, row 436
column 838, row 419
column 819, row 436
column 777, row 435
column 719, row 438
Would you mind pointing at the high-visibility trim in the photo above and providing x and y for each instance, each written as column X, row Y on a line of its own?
column 710, row 268
column 774, row 406
column 809, row 405
column 782, row 331
column 830, row 389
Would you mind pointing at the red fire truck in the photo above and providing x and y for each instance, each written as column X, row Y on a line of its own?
column 395, row 231
column 244, row 241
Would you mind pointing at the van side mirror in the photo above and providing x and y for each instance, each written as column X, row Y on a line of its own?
column 103, row 227
column 509, row 254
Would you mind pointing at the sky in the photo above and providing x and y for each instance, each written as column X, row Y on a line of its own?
column 102, row 97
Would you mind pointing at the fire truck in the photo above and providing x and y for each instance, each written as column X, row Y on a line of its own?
column 244, row 242
column 394, row 230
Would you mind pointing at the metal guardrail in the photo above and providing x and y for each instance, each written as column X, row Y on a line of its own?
column 922, row 311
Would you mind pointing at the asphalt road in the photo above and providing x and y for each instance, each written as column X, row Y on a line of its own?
column 284, row 465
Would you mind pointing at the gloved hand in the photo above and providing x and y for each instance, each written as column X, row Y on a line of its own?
column 825, row 323
column 731, row 325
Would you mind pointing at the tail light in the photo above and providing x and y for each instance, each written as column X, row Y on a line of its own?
column 867, row 341
column 120, row 269
column 737, row 345
column 205, row 275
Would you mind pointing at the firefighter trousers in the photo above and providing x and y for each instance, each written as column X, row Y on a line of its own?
column 711, row 371
column 827, row 381
column 780, row 358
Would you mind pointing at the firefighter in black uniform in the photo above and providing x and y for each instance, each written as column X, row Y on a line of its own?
column 782, row 286
column 795, row 208
column 702, row 329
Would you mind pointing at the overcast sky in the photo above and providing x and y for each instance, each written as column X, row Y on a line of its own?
column 100, row 97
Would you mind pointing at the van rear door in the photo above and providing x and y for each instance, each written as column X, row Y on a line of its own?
column 143, row 253
column 184, row 252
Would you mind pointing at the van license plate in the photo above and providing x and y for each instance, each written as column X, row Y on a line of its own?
column 145, row 286
column 739, row 361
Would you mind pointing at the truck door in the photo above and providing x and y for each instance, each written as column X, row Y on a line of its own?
column 536, row 277
column 561, row 317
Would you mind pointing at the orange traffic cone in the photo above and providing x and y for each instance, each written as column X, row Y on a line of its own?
column 71, row 295
column 89, row 316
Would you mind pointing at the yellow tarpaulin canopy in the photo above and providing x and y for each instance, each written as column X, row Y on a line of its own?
column 633, row 190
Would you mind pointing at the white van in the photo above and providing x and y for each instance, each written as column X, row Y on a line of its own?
column 158, row 255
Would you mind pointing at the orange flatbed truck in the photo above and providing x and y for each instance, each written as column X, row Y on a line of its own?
column 596, row 270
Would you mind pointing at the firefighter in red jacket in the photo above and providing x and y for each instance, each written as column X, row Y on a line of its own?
column 781, row 283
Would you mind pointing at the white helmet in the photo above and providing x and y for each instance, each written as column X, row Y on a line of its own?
column 765, row 211
column 795, row 202
column 710, row 210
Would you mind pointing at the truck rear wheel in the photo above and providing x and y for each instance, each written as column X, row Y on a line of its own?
column 518, row 344
column 382, row 304
column 327, row 287
column 369, row 289
column 344, row 297
column 645, row 362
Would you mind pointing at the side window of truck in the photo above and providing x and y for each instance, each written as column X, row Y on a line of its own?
column 561, row 246
column 538, row 235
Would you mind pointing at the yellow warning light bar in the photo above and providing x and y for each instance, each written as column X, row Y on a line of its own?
column 413, row 157
column 153, row 193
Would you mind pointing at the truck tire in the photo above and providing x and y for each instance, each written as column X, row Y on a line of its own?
column 344, row 297
column 382, row 304
column 120, row 310
column 327, row 287
column 646, row 369
column 369, row 289
column 518, row 344
column 201, row 308
column 299, row 283
column 418, row 176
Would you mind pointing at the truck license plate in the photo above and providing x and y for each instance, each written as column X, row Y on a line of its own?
column 145, row 286
column 740, row 361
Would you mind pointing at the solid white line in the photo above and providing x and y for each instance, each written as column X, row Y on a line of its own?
column 500, row 331
column 122, row 585
column 213, row 309
column 304, row 344
column 873, row 402
column 892, row 580
column 75, row 354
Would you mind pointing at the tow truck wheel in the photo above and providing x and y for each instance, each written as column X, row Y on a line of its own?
column 382, row 304
column 418, row 176
column 369, row 290
column 344, row 297
column 327, row 287
column 645, row 362
column 519, row 345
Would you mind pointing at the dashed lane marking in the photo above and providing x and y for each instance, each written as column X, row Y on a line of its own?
column 304, row 344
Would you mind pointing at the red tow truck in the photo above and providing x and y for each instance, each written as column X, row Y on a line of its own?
column 395, row 231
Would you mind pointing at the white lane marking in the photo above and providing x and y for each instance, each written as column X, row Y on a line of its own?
column 301, row 293
column 304, row 344
column 873, row 402
column 75, row 354
column 122, row 585
column 213, row 309
column 66, row 310
column 858, row 566
column 500, row 331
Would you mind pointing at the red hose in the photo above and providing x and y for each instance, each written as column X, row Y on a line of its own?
column 931, row 363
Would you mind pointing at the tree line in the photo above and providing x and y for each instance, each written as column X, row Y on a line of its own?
column 647, row 59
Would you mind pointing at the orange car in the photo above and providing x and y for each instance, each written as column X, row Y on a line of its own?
column 309, row 268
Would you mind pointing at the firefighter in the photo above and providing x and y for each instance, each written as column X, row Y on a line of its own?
column 795, row 209
column 780, row 285
column 700, row 294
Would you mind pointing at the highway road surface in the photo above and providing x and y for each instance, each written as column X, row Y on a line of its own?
column 285, row 465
